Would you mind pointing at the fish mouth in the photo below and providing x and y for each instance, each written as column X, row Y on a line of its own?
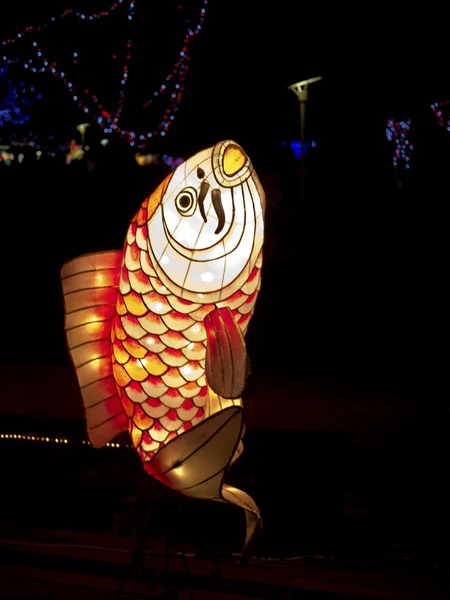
column 216, row 197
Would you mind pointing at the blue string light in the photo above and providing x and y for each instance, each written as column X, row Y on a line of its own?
column 397, row 131
column 16, row 100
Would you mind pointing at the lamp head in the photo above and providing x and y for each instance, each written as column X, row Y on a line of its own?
column 301, row 87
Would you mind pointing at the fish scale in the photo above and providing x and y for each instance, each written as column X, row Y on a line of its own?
column 173, row 361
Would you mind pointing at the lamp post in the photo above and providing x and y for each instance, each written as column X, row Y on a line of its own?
column 300, row 89
column 82, row 129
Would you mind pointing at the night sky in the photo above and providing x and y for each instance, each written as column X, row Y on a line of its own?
column 376, row 63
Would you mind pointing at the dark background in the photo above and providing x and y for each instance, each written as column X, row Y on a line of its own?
column 354, row 282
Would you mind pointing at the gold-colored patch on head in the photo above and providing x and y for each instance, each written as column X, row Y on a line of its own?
column 155, row 199
column 233, row 160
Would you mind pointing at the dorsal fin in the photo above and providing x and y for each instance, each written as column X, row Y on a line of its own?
column 90, row 285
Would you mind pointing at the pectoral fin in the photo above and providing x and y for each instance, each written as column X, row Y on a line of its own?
column 226, row 354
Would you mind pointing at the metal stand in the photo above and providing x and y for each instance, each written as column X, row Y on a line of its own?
column 160, row 496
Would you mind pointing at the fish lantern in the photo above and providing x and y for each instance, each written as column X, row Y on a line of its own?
column 156, row 331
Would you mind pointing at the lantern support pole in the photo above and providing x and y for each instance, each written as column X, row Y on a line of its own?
column 300, row 89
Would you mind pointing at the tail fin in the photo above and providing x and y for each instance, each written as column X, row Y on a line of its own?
column 196, row 462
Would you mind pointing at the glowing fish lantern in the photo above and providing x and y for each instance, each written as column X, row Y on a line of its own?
column 155, row 331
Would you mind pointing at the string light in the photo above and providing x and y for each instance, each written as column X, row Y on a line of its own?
column 397, row 131
column 14, row 102
column 173, row 82
column 437, row 108
column 52, row 440
column 69, row 12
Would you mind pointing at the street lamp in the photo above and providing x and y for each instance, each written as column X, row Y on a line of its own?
column 300, row 89
column 82, row 129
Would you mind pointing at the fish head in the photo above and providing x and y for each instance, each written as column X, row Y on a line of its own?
column 207, row 229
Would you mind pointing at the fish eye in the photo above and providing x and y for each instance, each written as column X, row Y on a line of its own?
column 186, row 202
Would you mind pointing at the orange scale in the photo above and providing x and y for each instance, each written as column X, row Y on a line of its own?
column 195, row 351
column 128, row 406
column 120, row 332
column 186, row 426
column 136, row 436
column 124, row 282
column 153, row 324
column 173, row 358
column 251, row 284
column 131, row 233
column 174, row 339
column 120, row 375
column 132, row 255
column 157, row 303
column 195, row 333
column 152, row 343
column 200, row 313
column 181, row 305
column 201, row 381
column 173, row 379
column 154, row 386
column 200, row 399
column 248, row 304
column 135, row 369
column 154, row 408
column 135, row 392
column 140, row 282
column 158, row 433
column 141, row 237
column 132, row 326
column 141, row 217
column 142, row 419
column 148, row 443
column 172, row 398
column 191, row 371
column 154, row 365
column 146, row 438
column 135, row 304
column 189, row 390
column 187, row 411
column 234, row 301
column 159, row 286
column 172, row 435
column 177, row 321
column 134, row 348
column 146, row 264
column 200, row 414
column 244, row 320
column 120, row 305
column 171, row 421
column 254, row 274
column 120, row 354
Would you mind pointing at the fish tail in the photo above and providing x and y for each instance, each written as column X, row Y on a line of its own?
column 253, row 518
column 197, row 462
